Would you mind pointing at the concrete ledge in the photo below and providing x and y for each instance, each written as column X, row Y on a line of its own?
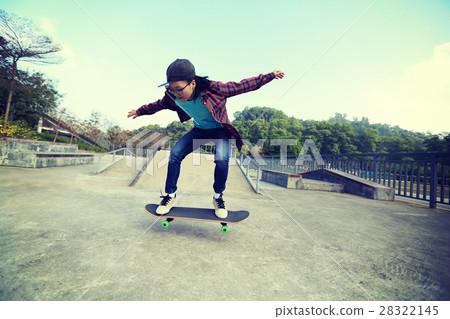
column 57, row 160
column 352, row 184
column 41, row 160
column 313, row 185
column 64, row 154
column 279, row 178
column 39, row 154
column 23, row 145
column 297, row 181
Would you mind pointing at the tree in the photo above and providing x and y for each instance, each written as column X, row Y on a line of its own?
column 367, row 140
column 176, row 129
column 395, row 144
column 338, row 135
column 339, row 118
column 33, row 95
column 117, row 136
column 92, row 128
column 21, row 40
column 447, row 142
column 436, row 143
column 345, row 137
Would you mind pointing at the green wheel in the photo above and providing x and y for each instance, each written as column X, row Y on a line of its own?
column 225, row 229
column 165, row 224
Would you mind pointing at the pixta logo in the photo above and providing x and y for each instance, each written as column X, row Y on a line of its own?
column 148, row 143
column 146, row 147
column 283, row 144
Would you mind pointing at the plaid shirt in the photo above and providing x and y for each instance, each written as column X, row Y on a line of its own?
column 214, row 98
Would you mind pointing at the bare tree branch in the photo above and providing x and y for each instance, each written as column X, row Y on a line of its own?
column 21, row 40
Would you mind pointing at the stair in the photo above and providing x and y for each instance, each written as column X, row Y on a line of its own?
column 39, row 154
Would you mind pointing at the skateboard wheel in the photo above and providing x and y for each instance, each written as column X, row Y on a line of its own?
column 165, row 224
column 225, row 229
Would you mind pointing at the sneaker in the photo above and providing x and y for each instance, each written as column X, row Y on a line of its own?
column 219, row 205
column 166, row 204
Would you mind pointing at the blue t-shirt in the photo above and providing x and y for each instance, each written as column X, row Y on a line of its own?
column 203, row 118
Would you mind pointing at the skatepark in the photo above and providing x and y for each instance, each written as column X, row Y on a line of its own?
column 68, row 233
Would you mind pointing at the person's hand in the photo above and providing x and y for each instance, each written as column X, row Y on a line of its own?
column 132, row 114
column 278, row 74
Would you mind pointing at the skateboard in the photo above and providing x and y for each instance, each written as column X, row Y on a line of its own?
column 202, row 214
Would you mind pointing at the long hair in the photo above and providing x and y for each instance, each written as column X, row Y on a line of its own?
column 202, row 83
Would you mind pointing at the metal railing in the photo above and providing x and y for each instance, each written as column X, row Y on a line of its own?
column 423, row 176
column 150, row 155
column 114, row 158
column 251, row 170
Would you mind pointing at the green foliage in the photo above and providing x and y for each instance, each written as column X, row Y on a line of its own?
column 367, row 140
column 395, row 144
column 177, row 129
column 338, row 135
column 151, row 127
column 16, row 129
column 33, row 95
column 436, row 143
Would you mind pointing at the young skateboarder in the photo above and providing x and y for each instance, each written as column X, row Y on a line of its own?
column 203, row 100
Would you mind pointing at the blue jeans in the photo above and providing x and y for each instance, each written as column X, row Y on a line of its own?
column 192, row 141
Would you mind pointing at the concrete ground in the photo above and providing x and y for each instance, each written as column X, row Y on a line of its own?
column 69, row 234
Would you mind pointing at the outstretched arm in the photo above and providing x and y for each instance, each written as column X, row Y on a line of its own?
column 150, row 108
column 234, row 88
column 166, row 103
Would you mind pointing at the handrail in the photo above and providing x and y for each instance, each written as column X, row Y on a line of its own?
column 422, row 176
column 150, row 156
column 245, row 167
column 125, row 151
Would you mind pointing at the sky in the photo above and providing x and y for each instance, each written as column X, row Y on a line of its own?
column 387, row 60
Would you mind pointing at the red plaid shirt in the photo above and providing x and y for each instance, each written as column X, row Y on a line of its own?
column 214, row 98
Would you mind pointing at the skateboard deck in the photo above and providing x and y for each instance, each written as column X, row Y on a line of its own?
column 200, row 214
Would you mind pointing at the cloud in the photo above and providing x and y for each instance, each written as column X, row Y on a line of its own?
column 68, row 55
column 433, row 75
column 47, row 26
column 419, row 98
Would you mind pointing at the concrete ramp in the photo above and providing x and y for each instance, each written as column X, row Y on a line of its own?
column 196, row 176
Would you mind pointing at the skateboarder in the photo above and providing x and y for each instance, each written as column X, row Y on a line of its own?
column 196, row 97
